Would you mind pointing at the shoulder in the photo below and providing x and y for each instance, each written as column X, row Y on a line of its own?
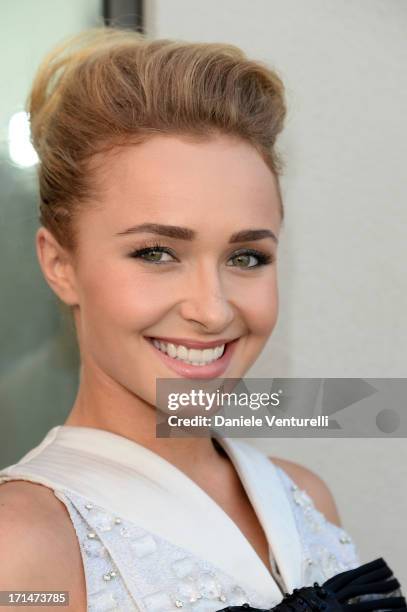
column 312, row 484
column 39, row 549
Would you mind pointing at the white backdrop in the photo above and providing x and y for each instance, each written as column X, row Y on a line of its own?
column 343, row 295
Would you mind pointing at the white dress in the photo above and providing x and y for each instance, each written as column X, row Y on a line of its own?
column 152, row 540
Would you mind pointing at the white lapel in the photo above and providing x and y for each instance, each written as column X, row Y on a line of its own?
column 135, row 483
column 269, row 499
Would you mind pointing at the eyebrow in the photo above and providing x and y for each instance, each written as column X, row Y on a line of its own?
column 184, row 233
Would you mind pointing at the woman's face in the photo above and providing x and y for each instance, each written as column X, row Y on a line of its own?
column 199, row 286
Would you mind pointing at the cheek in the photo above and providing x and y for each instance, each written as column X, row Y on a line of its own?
column 122, row 299
column 261, row 307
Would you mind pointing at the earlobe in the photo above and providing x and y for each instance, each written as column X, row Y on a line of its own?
column 56, row 266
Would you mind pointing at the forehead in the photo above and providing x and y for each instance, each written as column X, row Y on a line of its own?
column 177, row 178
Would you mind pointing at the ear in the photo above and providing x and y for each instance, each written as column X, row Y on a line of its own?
column 57, row 267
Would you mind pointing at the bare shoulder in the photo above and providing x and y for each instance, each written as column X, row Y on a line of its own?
column 39, row 549
column 314, row 485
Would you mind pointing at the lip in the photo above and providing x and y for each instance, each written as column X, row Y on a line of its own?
column 193, row 343
column 212, row 370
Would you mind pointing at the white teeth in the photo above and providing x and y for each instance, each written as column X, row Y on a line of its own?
column 192, row 356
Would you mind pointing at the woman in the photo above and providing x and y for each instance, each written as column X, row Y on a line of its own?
column 160, row 216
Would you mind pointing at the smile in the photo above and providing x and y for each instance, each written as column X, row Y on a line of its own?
column 196, row 357
column 193, row 362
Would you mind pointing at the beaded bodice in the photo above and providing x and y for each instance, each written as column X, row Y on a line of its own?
column 152, row 540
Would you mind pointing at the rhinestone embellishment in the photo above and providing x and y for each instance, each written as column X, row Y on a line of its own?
column 209, row 586
column 124, row 532
column 109, row 575
column 199, row 585
column 94, row 548
column 301, row 498
column 187, row 589
column 345, row 539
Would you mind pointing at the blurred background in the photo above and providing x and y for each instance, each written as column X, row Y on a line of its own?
column 343, row 295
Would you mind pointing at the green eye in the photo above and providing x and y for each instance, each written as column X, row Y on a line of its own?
column 153, row 255
column 245, row 260
column 245, row 256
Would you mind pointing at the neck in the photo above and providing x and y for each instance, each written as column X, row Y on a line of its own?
column 110, row 407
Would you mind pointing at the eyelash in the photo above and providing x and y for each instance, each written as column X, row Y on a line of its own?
column 263, row 258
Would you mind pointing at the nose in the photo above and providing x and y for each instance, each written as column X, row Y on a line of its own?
column 205, row 300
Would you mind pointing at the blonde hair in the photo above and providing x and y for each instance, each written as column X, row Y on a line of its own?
column 107, row 87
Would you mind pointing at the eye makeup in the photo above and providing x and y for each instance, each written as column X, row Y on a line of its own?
column 156, row 247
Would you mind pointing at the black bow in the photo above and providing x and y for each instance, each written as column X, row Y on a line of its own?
column 373, row 578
